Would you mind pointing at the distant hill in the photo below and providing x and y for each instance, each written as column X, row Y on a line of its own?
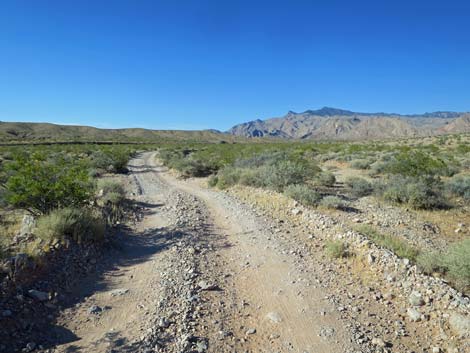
column 338, row 124
column 37, row 132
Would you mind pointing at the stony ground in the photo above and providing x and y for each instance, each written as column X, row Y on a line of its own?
column 206, row 270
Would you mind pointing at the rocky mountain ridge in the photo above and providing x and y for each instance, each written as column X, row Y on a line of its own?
column 333, row 123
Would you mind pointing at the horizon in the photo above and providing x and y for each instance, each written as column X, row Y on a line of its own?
column 241, row 122
column 209, row 65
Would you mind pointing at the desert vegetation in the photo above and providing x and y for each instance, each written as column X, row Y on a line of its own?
column 424, row 177
column 67, row 189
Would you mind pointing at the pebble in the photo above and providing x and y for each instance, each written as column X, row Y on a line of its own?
column 274, row 317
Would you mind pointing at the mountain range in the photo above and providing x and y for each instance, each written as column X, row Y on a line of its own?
column 338, row 124
column 322, row 124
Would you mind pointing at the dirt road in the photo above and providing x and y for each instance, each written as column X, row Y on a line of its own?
column 204, row 272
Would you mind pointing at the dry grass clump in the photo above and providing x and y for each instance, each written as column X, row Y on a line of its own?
column 336, row 249
column 79, row 225
column 400, row 247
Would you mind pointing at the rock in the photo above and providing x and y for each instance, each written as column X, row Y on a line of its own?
column 94, row 309
column 28, row 223
column 30, row 346
column 119, row 291
column 250, row 331
column 378, row 342
column 413, row 314
column 164, row 323
column 436, row 350
column 370, row 258
column 203, row 285
column 326, row 332
column 21, row 263
column 296, row 211
column 460, row 324
column 201, row 346
column 416, row 299
column 274, row 317
column 6, row 313
column 38, row 295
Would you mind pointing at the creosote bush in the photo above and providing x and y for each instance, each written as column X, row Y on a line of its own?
column 333, row 202
column 79, row 225
column 418, row 193
column 41, row 183
column 459, row 186
column 359, row 187
column 273, row 171
column 360, row 164
column 325, row 179
column 303, row 194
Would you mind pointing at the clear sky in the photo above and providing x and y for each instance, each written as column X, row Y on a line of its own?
column 211, row 64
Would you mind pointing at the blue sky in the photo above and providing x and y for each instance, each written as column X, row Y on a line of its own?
column 211, row 64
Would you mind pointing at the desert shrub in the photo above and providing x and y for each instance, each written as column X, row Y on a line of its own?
column 42, row 184
column 459, row 186
column 417, row 193
column 79, row 225
column 303, row 194
column 400, row 247
column 336, row 249
column 453, row 263
column 189, row 167
column 416, row 164
column 325, row 179
column 456, row 261
column 111, row 198
column 252, row 177
column 332, row 202
column 377, row 168
column 430, row 262
column 106, row 186
column 359, row 187
column 284, row 173
column 360, row 164
column 227, row 177
column 212, row 181
column 262, row 159
column 113, row 160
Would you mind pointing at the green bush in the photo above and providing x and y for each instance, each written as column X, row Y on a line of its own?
column 79, row 225
column 460, row 186
column 416, row 164
column 361, row 164
column 336, row 249
column 332, row 202
column 189, row 167
column 454, row 264
column 302, row 194
column 359, row 187
column 284, row 173
column 42, row 184
column 430, row 262
column 106, row 186
column 213, row 181
column 228, row 176
column 325, row 179
column 417, row 193
column 113, row 160
column 456, row 261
